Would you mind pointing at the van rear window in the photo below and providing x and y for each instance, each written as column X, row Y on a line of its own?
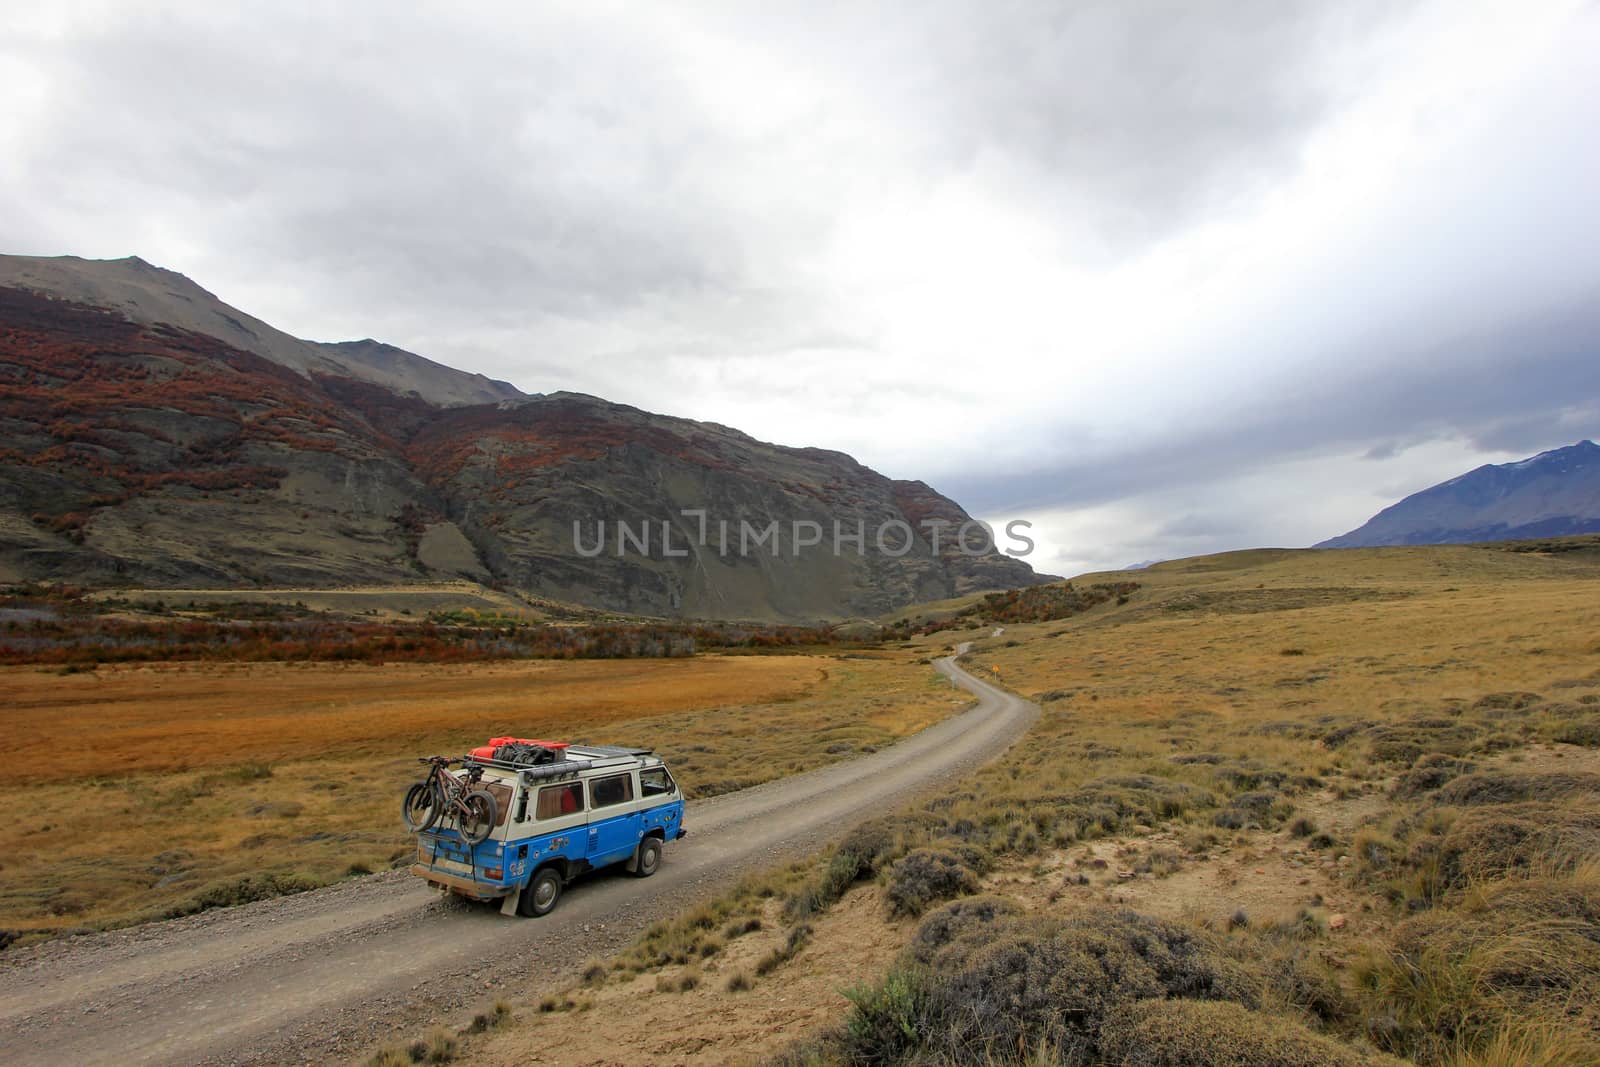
column 558, row 800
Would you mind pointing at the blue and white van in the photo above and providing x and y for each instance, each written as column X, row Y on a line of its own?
column 594, row 806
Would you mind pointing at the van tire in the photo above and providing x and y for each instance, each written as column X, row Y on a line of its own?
column 647, row 860
column 539, row 896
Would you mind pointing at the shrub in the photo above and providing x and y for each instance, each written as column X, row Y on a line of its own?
column 1453, row 979
column 244, row 891
column 1506, row 787
column 926, row 876
column 1298, row 979
column 739, row 981
column 888, row 1018
column 785, row 952
column 1518, row 837
column 1193, row 1033
column 1406, row 741
column 1258, row 807
column 968, row 917
column 1034, row 981
column 1430, row 772
column 1507, row 701
column 740, row 927
column 859, row 855
column 1585, row 732
column 682, row 982
column 441, row 1047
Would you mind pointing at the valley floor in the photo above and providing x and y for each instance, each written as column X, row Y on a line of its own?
column 1363, row 786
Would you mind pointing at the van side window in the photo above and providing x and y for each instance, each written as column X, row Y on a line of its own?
column 616, row 789
column 558, row 800
column 655, row 782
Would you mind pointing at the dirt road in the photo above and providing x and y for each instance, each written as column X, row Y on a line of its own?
column 313, row 977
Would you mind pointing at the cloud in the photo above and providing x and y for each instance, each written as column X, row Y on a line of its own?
column 1130, row 267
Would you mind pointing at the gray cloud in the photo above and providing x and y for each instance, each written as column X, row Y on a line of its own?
column 659, row 204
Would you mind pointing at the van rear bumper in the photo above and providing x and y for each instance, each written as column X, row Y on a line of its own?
column 458, row 884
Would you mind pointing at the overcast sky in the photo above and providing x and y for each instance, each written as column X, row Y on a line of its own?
column 1162, row 278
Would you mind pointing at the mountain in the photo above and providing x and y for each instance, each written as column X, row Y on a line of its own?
column 152, row 435
column 148, row 294
column 1553, row 494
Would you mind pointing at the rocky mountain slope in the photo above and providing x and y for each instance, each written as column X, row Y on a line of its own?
column 152, row 435
column 1553, row 494
column 147, row 294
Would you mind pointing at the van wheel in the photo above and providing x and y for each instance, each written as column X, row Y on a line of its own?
column 540, row 895
column 649, row 858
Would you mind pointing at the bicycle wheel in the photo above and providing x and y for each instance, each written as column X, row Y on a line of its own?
column 421, row 807
column 478, row 820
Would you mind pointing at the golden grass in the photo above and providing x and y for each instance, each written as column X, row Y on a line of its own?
column 139, row 789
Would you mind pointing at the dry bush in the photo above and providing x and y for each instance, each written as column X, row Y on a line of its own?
column 970, row 917
column 1405, row 741
column 1258, row 808
column 1196, row 1033
column 1510, row 787
column 1495, row 840
column 682, row 982
column 926, row 876
column 1507, row 701
column 1579, row 728
column 1035, row 980
column 797, row 939
column 864, row 851
column 1429, row 773
column 1528, row 1043
column 1454, row 978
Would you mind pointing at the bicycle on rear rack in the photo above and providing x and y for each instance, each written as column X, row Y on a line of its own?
column 442, row 794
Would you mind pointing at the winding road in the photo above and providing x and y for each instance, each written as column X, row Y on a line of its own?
column 320, row 975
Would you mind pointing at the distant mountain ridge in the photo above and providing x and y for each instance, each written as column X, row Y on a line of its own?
column 151, row 434
column 1552, row 494
column 150, row 294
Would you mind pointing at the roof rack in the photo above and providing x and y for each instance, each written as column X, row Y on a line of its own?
column 587, row 758
column 614, row 750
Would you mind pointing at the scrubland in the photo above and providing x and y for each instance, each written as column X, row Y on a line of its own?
column 138, row 791
column 1336, row 808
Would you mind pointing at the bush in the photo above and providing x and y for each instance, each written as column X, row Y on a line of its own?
column 1429, row 773
column 1020, row 981
column 970, row 917
column 1507, row 701
column 1508, row 787
column 1257, row 808
column 926, row 876
column 1299, row 979
column 797, row 939
column 244, row 891
column 1493, row 841
column 1193, row 1033
column 859, row 855
column 1455, row 978
column 1406, row 741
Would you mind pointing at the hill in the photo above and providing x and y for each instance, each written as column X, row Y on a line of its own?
column 1553, row 494
column 156, row 437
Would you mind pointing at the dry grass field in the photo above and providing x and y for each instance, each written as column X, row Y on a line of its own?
column 1336, row 809
column 138, row 791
